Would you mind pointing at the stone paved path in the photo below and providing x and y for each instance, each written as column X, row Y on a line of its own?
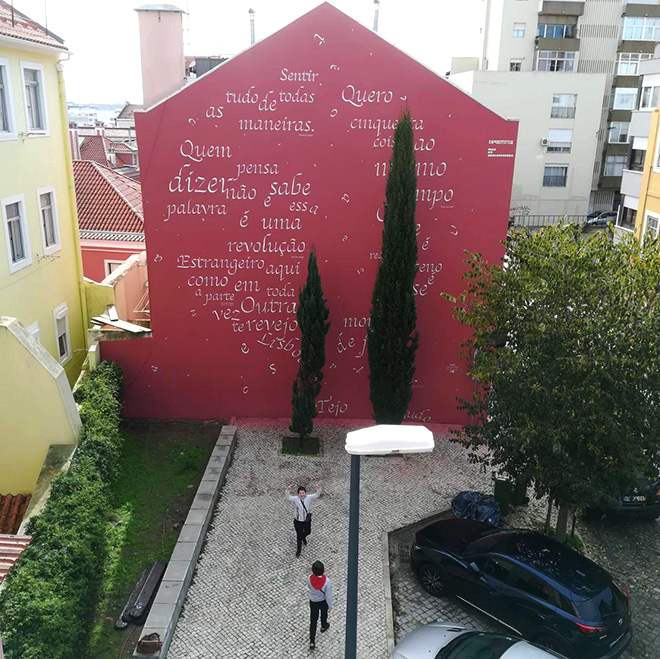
column 249, row 599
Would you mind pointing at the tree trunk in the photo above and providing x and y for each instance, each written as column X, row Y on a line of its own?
column 562, row 522
column 548, row 517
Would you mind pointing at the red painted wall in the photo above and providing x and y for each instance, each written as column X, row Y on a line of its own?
column 284, row 147
column 96, row 253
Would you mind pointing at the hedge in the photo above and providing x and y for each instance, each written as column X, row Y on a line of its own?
column 47, row 604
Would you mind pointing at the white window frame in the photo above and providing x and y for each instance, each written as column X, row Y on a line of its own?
column 618, row 160
column 630, row 59
column 40, row 132
column 560, row 56
column 107, row 263
column 624, row 91
column 27, row 259
column 652, row 105
column 516, row 61
column 562, row 165
column 656, row 158
column 569, row 115
column 654, row 216
column 57, row 245
column 616, row 125
column 640, row 28
column 61, row 312
column 518, row 32
column 10, row 134
column 559, row 146
column 34, row 331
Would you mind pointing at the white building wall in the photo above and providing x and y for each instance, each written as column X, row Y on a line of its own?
column 527, row 97
column 502, row 45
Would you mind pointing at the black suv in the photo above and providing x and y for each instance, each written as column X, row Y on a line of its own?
column 535, row 586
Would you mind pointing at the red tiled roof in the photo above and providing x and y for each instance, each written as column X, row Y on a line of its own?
column 96, row 147
column 25, row 28
column 12, row 511
column 11, row 547
column 107, row 201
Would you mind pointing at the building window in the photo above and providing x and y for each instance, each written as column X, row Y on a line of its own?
column 637, row 157
column 555, row 60
column 554, row 176
column 555, row 31
column 111, row 266
column 559, row 140
column 641, row 29
column 515, row 65
column 649, row 99
column 627, row 63
column 563, row 106
column 35, row 98
column 628, row 218
column 518, row 30
column 16, row 232
column 614, row 165
column 651, row 226
column 61, row 316
column 7, row 125
column 618, row 132
column 49, row 222
column 625, row 98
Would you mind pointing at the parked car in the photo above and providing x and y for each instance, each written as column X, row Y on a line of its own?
column 538, row 588
column 445, row 640
column 600, row 218
column 642, row 502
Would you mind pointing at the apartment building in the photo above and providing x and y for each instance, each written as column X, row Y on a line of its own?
column 568, row 70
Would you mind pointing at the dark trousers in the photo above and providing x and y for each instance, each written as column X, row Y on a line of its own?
column 303, row 529
column 314, row 609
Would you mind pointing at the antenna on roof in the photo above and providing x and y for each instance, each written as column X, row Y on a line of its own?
column 46, row 16
column 377, row 3
column 251, row 12
column 12, row 13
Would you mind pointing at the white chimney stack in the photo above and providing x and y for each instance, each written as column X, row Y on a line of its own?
column 161, row 51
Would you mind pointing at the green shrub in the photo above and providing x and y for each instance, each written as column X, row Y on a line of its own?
column 47, row 604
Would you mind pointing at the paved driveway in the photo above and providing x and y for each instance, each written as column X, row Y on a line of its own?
column 249, row 598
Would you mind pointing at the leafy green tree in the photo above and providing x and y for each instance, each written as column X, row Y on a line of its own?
column 312, row 319
column 392, row 338
column 566, row 334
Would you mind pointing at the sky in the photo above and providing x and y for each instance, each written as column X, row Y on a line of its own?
column 103, row 34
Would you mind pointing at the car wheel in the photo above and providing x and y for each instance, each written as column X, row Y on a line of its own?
column 556, row 645
column 429, row 577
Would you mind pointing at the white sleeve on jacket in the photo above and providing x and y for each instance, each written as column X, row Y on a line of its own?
column 316, row 495
column 328, row 593
column 290, row 497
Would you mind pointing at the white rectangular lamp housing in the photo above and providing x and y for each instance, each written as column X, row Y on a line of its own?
column 389, row 440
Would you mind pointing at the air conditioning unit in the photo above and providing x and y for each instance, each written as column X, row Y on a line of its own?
column 545, row 141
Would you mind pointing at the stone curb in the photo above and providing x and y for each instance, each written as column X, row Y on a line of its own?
column 165, row 610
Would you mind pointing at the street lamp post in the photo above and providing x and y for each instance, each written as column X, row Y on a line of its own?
column 376, row 440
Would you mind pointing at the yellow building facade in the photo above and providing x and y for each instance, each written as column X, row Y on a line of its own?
column 648, row 212
column 41, row 281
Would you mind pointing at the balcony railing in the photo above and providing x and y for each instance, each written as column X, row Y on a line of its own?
column 562, row 113
column 554, row 181
column 538, row 221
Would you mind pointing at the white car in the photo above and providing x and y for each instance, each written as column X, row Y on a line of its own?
column 443, row 640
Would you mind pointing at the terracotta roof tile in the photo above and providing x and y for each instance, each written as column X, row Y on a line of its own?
column 25, row 28
column 12, row 511
column 107, row 201
column 96, row 148
column 11, row 547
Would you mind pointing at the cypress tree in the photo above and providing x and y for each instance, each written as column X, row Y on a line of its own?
column 392, row 338
column 312, row 319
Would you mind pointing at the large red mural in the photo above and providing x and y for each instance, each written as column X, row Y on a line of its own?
column 284, row 148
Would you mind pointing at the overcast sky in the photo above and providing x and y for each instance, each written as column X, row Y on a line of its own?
column 103, row 34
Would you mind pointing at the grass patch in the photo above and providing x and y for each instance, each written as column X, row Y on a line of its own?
column 160, row 467
column 298, row 446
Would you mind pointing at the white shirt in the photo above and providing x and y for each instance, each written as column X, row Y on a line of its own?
column 319, row 595
column 301, row 513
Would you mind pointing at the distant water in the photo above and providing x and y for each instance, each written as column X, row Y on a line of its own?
column 105, row 115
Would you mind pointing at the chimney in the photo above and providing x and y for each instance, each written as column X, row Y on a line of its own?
column 161, row 51
column 251, row 12
column 75, row 143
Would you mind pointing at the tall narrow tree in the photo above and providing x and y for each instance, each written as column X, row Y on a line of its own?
column 392, row 338
column 313, row 322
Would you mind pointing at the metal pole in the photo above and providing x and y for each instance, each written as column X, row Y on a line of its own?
column 251, row 12
column 350, row 650
column 377, row 3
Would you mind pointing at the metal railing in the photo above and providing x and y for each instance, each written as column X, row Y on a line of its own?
column 562, row 112
column 538, row 221
column 554, row 181
column 559, row 147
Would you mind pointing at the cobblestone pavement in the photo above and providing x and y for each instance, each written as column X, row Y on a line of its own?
column 249, row 598
column 630, row 551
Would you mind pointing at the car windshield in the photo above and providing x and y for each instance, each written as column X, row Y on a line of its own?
column 484, row 543
column 606, row 603
column 477, row 645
